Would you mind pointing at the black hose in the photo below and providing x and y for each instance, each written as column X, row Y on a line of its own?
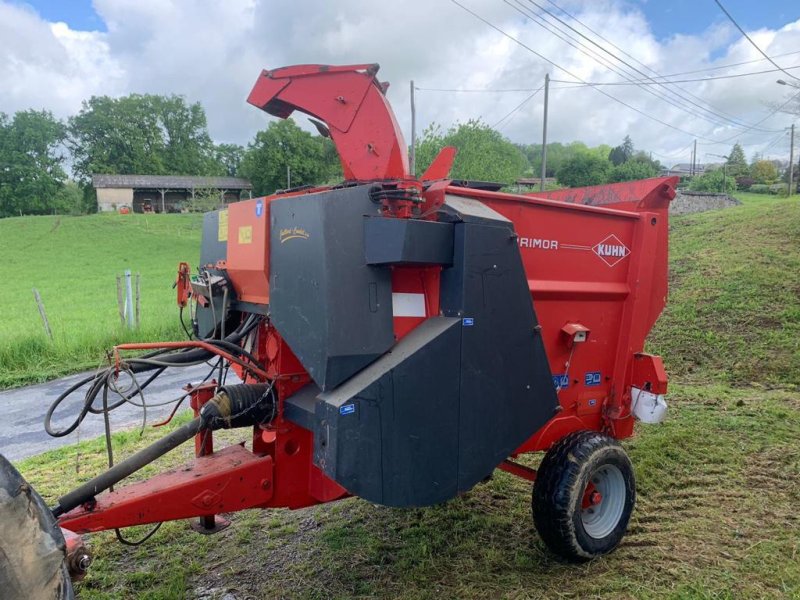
column 146, row 362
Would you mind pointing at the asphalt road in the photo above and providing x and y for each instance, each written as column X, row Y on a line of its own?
column 22, row 431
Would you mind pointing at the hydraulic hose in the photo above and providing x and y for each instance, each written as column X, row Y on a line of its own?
column 157, row 361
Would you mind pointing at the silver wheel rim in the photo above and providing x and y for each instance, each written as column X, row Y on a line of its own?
column 600, row 519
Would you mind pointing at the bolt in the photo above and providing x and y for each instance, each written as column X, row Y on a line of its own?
column 266, row 484
column 83, row 562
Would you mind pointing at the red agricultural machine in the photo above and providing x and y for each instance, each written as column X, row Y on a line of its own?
column 397, row 339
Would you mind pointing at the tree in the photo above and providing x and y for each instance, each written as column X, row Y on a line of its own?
column 737, row 163
column 483, row 153
column 141, row 134
column 31, row 164
column 229, row 157
column 69, row 200
column 584, row 169
column 764, row 171
column 283, row 144
column 713, row 181
column 188, row 149
column 622, row 153
column 640, row 167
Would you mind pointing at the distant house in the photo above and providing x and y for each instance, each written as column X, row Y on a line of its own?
column 163, row 193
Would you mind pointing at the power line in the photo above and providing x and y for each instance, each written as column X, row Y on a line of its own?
column 575, row 84
column 775, row 141
column 749, row 39
column 679, row 104
column 519, row 106
column 477, row 90
column 712, row 78
column 725, row 66
column 771, row 113
column 600, row 91
column 570, row 73
column 676, row 99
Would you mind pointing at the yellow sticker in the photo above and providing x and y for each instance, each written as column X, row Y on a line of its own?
column 246, row 234
column 222, row 228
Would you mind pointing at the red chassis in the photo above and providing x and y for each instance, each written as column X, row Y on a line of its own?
column 596, row 263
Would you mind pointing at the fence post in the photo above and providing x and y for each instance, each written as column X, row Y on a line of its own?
column 129, row 298
column 138, row 300
column 43, row 314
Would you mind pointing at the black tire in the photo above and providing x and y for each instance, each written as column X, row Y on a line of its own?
column 576, row 521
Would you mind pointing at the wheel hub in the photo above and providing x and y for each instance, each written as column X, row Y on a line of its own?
column 603, row 501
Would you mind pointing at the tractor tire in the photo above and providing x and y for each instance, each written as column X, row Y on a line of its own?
column 32, row 547
column 583, row 496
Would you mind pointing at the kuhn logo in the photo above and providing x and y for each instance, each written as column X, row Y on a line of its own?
column 611, row 250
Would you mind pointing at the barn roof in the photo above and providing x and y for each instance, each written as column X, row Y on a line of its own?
column 159, row 182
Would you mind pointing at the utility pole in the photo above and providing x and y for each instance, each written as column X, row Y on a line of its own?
column 694, row 159
column 791, row 162
column 288, row 177
column 412, row 159
column 544, row 130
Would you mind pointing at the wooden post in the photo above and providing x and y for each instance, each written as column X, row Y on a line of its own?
column 120, row 301
column 43, row 314
column 138, row 300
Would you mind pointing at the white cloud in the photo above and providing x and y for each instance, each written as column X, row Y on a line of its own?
column 212, row 52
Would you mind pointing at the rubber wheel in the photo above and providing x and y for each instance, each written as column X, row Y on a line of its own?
column 32, row 548
column 583, row 496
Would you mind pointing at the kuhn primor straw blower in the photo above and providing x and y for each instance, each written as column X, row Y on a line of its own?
column 397, row 338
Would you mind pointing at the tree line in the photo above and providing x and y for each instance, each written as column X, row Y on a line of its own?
column 484, row 154
column 142, row 134
column 166, row 135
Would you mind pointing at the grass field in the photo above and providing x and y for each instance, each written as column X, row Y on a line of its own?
column 718, row 484
column 73, row 262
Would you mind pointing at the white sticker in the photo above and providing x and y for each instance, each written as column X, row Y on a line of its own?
column 408, row 305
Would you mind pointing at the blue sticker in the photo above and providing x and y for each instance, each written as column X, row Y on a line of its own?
column 591, row 379
column 347, row 409
column 467, row 321
column 561, row 381
column 592, row 401
column 259, row 208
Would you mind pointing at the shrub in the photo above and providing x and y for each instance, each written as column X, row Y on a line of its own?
column 759, row 188
column 744, row 183
column 712, row 181
column 779, row 189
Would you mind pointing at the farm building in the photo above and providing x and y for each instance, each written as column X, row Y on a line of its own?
column 164, row 193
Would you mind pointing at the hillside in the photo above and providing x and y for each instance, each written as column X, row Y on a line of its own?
column 73, row 262
column 733, row 314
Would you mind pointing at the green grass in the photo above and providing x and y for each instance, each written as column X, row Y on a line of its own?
column 733, row 313
column 718, row 489
column 73, row 262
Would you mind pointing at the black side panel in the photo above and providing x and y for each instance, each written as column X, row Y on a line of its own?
column 212, row 248
column 390, row 434
column 506, row 387
column 333, row 310
column 407, row 241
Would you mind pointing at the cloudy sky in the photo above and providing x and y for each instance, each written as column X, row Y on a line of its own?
column 54, row 54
